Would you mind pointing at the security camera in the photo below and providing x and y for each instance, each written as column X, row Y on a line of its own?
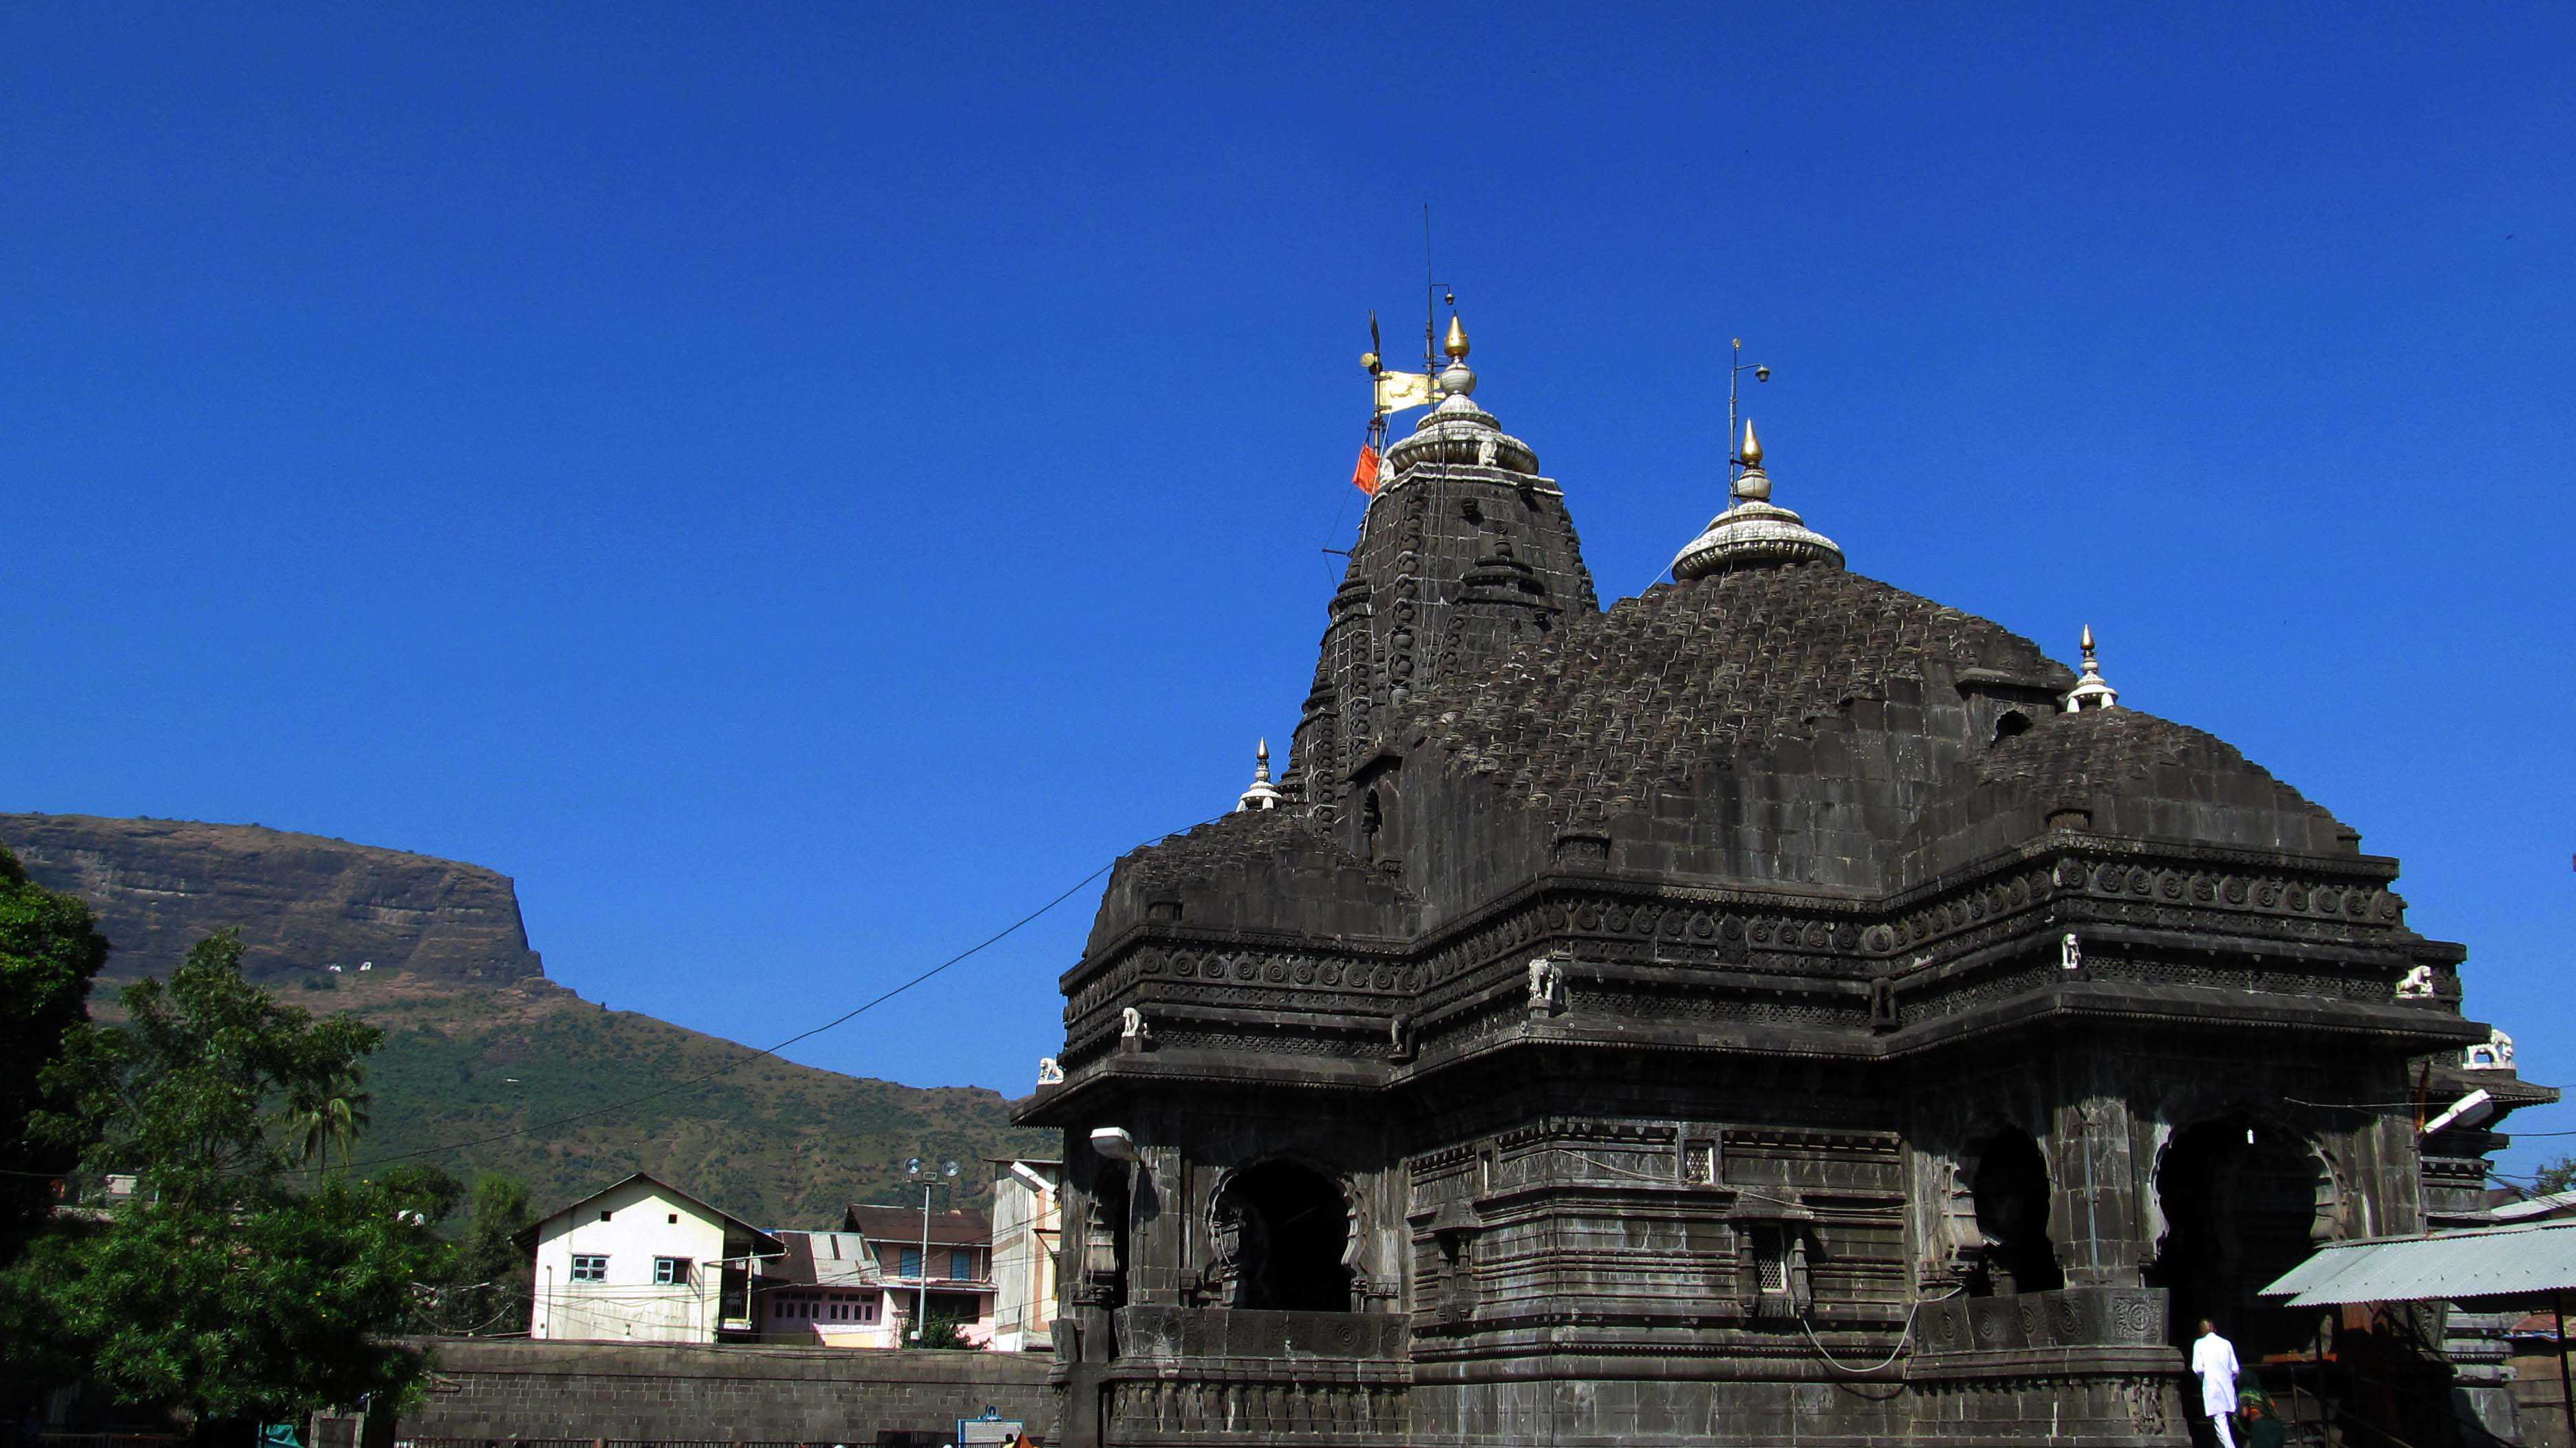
column 1761, row 374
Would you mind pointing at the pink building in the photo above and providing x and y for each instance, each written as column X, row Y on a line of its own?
column 957, row 1274
column 824, row 1289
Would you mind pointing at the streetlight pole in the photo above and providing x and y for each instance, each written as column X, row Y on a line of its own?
column 921, row 1303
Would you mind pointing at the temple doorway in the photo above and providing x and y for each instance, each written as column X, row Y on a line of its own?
column 2011, row 1195
column 2243, row 1203
column 1284, row 1230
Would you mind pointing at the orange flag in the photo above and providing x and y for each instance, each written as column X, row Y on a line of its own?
column 1364, row 477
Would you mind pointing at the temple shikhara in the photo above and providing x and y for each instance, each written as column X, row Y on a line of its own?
column 1778, row 1008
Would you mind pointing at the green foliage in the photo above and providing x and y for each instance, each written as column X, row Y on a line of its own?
column 938, row 1332
column 493, row 1277
column 265, row 1308
column 2557, row 1176
column 50, row 949
column 220, row 1291
column 780, row 1144
column 322, row 1113
column 189, row 1090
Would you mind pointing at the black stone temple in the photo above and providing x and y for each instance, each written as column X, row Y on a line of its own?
column 1777, row 1009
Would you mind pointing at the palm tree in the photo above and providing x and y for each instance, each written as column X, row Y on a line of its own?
column 332, row 1109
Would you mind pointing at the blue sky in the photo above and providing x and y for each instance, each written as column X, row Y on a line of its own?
column 798, row 486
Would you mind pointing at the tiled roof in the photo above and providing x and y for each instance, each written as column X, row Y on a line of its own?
column 955, row 1226
column 2073, row 755
column 1244, row 838
column 1618, row 703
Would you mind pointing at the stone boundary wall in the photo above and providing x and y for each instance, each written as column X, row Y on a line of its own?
column 509, row 1389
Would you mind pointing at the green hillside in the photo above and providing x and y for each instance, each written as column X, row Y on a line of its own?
column 480, row 1044
column 780, row 1144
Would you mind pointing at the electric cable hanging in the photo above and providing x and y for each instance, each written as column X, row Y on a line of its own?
column 853, row 1013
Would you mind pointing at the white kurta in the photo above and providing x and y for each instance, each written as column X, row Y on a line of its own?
column 2213, row 1358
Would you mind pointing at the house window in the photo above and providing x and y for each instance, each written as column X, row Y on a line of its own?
column 603, row 1216
column 911, row 1263
column 670, row 1271
column 961, row 1266
column 867, row 1310
column 586, row 1268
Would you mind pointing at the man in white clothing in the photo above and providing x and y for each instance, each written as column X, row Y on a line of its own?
column 2213, row 1361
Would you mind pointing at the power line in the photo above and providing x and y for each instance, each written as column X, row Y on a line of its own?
column 446, row 1148
column 705, row 1076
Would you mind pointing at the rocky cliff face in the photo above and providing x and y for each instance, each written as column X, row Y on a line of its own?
column 301, row 902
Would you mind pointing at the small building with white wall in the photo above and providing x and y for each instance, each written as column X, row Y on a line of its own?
column 643, row 1261
column 1027, row 1228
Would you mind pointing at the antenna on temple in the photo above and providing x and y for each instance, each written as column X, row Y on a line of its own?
column 1433, row 294
column 1734, row 376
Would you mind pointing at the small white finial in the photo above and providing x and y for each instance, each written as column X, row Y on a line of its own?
column 1753, row 532
column 2091, row 691
column 1263, row 794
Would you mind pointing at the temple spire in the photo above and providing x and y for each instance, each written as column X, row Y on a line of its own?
column 2091, row 691
column 1457, row 380
column 1752, row 532
column 1263, row 794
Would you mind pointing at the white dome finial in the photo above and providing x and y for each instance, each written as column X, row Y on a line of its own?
column 1263, row 794
column 1753, row 532
column 2091, row 691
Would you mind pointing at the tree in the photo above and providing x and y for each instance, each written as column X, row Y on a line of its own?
column 219, row 1292
column 494, row 1277
column 320, row 1114
column 50, row 951
column 2557, row 1176
column 941, row 1330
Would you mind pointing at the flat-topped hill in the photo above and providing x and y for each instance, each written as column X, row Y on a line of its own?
column 480, row 1044
column 301, row 902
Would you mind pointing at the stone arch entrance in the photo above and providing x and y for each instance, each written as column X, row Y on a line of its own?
column 2243, row 1201
column 1283, row 1236
column 2011, row 1196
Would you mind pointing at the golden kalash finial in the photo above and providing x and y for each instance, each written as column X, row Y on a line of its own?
column 1456, row 346
column 1751, row 454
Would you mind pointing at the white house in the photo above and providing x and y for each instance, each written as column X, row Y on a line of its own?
column 1028, row 1227
column 643, row 1261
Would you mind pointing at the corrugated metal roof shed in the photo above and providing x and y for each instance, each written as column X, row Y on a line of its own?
column 2525, row 1260
column 824, row 1259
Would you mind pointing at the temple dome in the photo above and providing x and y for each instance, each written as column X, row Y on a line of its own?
column 1754, row 532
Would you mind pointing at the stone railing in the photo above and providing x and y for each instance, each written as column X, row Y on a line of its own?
column 2076, row 1318
column 1237, row 1375
column 1240, row 1332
